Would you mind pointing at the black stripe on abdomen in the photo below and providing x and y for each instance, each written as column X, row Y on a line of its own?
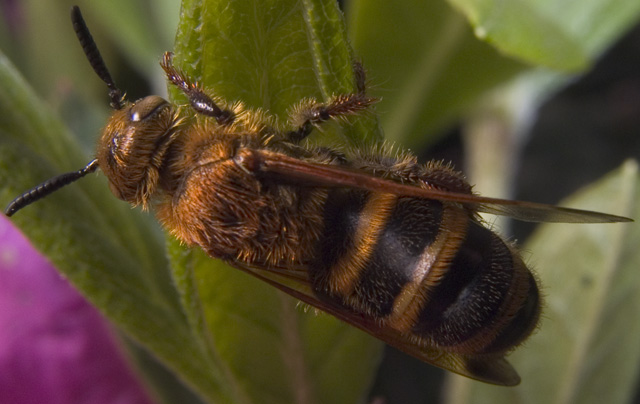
column 341, row 216
column 342, row 212
column 384, row 261
column 412, row 226
column 472, row 294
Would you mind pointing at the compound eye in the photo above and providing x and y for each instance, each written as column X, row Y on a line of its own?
column 147, row 107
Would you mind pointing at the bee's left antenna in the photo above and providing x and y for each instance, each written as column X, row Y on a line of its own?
column 48, row 187
column 93, row 56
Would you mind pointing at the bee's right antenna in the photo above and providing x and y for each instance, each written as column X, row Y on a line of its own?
column 93, row 55
column 49, row 186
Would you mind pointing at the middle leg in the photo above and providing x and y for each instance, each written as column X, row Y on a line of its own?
column 309, row 112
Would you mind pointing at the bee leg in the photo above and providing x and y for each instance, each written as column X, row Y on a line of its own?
column 309, row 112
column 360, row 76
column 200, row 102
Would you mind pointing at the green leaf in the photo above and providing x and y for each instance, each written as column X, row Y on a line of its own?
column 519, row 29
column 586, row 350
column 562, row 35
column 428, row 66
column 270, row 55
column 425, row 64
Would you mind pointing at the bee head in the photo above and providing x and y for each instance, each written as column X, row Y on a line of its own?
column 133, row 144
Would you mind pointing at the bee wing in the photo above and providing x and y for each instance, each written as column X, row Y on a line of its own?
column 294, row 282
column 325, row 175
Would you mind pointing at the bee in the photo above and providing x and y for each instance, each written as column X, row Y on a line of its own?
column 386, row 244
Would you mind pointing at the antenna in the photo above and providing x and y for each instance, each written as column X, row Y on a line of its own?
column 49, row 186
column 93, row 56
column 97, row 63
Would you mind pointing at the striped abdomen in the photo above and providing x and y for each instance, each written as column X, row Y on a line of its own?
column 426, row 268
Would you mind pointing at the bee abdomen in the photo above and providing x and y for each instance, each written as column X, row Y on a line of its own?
column 370, row 248
column 487, row 302
column 425, row 268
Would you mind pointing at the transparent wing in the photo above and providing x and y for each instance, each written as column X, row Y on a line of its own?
column 294, row 282
column 313, row 174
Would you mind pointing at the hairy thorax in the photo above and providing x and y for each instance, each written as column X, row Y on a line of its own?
column 210, row 201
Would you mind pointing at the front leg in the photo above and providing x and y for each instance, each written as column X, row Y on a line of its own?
column 200, row 102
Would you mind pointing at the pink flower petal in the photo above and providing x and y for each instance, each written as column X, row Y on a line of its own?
column 54, row 347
